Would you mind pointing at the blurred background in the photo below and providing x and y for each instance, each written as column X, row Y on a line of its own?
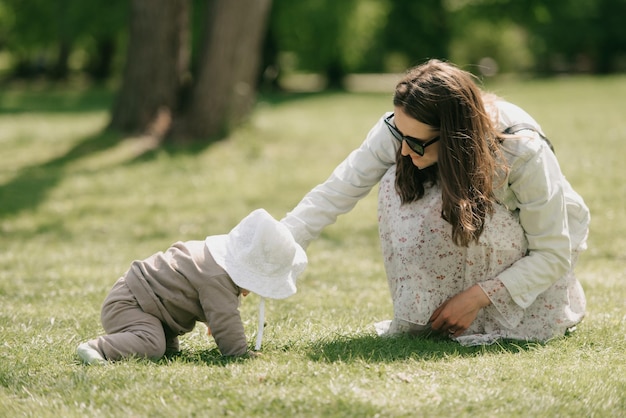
column 181, row 60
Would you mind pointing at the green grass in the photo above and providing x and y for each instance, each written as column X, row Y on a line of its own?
column 77, row 206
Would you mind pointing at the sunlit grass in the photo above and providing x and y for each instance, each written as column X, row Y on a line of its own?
column 77, row 206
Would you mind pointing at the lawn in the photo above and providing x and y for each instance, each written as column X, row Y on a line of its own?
column 77, row 206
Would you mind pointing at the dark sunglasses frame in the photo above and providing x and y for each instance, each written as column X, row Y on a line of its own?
column 414, row 144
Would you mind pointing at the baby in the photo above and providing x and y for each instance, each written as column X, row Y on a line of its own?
column 163, row 296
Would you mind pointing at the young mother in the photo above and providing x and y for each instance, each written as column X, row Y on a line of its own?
column 479, row 230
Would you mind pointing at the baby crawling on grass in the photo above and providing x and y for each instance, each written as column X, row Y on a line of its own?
column 163, row 296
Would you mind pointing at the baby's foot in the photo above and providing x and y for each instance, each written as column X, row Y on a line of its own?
column 89, row 355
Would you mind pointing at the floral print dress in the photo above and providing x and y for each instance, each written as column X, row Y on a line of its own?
column 425, row 268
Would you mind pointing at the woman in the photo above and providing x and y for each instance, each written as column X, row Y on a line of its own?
column 480, row 230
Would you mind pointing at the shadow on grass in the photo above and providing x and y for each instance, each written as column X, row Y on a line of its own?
column 210, row 357
column 372, row 348
column 31, row 184
column 173, row 148
column 30, row 187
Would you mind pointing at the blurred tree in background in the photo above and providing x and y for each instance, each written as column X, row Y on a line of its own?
column 51, row 38
column 544, row 36
column 585, row 35
column 313, row 35
column 156, row 62
column 162, row 94
column 55, row 38
column 336, row 38
column 417, row 30
column 198, row 61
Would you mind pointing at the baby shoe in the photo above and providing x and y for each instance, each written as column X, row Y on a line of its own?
column 89, row 355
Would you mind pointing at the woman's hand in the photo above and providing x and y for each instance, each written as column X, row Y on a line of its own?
column 455, row 315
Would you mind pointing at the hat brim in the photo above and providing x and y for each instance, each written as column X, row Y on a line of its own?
column 247, row 278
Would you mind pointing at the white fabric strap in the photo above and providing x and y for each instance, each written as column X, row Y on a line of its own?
column 259, row 334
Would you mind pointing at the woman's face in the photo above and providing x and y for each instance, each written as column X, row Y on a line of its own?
column 408, row 126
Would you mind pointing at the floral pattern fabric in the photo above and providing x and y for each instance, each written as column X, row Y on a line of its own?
column 425, row 268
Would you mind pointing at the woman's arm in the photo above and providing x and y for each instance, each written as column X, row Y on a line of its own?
column 350, row 181
column 538, row 185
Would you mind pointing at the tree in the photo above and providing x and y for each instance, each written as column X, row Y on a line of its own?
column 315, row 33
column 335, row 38
column 42, row 36
column 156, row 61
column 562, row 35
column 157, row 71
column 228, row 67
column 596, row 44
column 418, row 29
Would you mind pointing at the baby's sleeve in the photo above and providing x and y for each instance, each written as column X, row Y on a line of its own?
column 227, row 330
column 220, row 302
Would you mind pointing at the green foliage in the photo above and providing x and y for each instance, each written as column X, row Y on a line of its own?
column 502, row 43
column 359, row 36
column 318, row 41
column 585, row 35
column 335, row 38
column 418, row 30
column 34, row 31
column 562, row 35
column 77, row 206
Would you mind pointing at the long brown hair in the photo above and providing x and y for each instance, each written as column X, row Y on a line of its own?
column 447, row 98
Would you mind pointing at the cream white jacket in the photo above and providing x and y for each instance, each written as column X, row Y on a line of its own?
column 553, row 216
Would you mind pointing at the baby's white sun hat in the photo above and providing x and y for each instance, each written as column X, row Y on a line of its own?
column 260, row 255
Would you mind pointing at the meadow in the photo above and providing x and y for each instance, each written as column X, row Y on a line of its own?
column 78, row 205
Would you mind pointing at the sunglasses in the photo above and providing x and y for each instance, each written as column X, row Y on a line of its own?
column 415, row 145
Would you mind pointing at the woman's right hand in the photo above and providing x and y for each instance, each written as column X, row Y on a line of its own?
column 456, row 314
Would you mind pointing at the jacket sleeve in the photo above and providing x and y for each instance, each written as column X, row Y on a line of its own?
column 538, row 185
column 220, row 302
column 351, row 181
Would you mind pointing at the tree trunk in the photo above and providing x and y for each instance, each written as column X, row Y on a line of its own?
column 60, row 68
column 157, row 60
column 100, row 64
column 225, row 87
